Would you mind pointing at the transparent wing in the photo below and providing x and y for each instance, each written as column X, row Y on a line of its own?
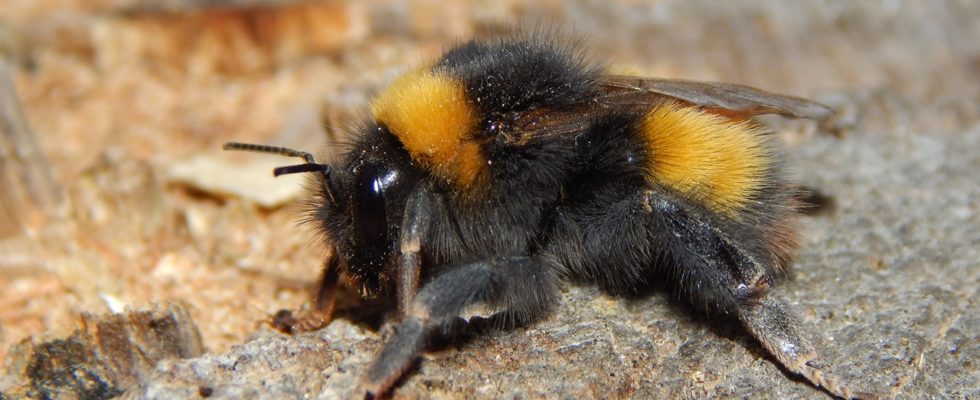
column 635, row 94
column 721, row 98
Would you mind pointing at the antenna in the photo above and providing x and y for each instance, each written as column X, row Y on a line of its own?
column 310, row 166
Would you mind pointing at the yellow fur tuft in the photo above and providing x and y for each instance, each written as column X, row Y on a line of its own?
column 430, row 115
column 713, row 159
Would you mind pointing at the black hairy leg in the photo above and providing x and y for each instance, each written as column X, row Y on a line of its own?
column 703, row 250
column 415, row 225
column 778, row 331
column 662, row 236
column 518, row 286
column 736, row 281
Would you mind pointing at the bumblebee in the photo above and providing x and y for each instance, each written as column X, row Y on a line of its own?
column 510, row 166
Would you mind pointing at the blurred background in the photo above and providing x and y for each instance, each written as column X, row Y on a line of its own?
column 116, row 192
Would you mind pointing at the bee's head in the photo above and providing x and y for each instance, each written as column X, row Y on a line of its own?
column 360, row 207
column 359, row 203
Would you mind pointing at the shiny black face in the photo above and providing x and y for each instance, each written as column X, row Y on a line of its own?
column 365, row 223
column 368, row 209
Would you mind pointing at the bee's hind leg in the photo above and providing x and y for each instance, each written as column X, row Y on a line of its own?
column 769, row 321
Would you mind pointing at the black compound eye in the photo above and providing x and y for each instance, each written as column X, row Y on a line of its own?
column 370, row 216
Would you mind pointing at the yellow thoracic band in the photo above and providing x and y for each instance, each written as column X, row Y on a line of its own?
column 432, row 117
